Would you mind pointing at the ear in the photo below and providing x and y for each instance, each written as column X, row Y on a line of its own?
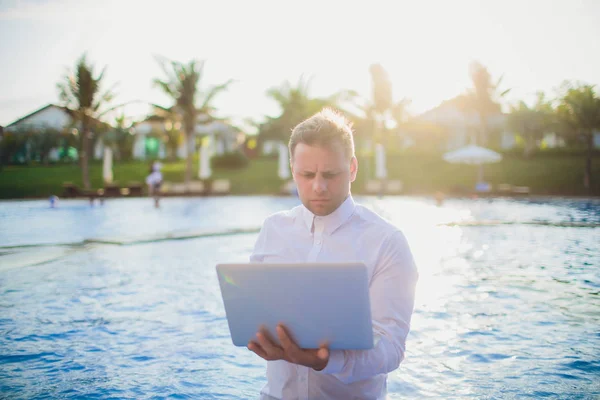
column 353, row 169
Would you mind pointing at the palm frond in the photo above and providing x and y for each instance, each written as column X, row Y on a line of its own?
column 215, row 90
column 166, row 87
column 504, row 93
column 163, row 63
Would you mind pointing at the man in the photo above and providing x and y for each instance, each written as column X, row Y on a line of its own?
column 330, row 227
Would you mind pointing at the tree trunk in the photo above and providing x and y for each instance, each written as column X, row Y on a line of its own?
column 529, row 146
column 189, row 135
column 85, row 144
column 587, row 178
column 483, row 134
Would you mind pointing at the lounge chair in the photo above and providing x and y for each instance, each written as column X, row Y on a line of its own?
column 196, row 188
column 521, row 190
column 504, row 188
column 393, row 187
column 374, row 187
column 220, row 187
column 135, row 189
column 71, row 190
column 112, row 190
column 177, row 188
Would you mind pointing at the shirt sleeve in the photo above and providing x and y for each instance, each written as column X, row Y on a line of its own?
column 258, row 253
column 391, row 292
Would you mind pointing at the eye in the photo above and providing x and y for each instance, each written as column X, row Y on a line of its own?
column 308, row 175
column 329, row 175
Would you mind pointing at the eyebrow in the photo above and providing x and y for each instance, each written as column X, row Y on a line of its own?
column 330, row 171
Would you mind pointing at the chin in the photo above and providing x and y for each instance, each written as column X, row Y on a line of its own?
column 320, row 211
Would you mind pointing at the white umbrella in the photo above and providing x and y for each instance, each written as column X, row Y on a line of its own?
column 380, row 168
column 204, row 170
column 284, row 162
column 473, row 155
column 107, row 173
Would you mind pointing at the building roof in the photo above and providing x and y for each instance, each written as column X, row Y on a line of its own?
column 39, row 110
column 456, row 112
column 47, row 106
column 458, row 103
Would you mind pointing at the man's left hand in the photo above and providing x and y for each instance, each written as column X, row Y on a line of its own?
column 289, row 351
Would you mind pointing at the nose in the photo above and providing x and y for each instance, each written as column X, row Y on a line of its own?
column 319, row 185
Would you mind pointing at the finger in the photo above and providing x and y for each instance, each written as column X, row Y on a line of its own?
column 287, row 342
column 267, row 344
column 323, row 353
column 292, row 352
column 256, row 349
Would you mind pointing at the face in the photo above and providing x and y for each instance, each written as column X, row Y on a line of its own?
column 323, row 176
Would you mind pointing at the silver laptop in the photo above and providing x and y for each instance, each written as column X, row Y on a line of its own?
column 317, row 302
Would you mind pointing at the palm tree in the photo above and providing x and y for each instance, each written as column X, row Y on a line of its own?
column 80, row 91
column 296, row 105
column 382, row 106
column 382, row 89
column 484, row 98
column 532, row 122
column 381, row 100
column 400, row 116
column 181, row 85
column 119, row 138
column 579, row 109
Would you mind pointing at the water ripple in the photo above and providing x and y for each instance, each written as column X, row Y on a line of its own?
column 502, row 310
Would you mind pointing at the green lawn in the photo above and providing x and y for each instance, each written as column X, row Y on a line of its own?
column 544, row 175
column 557, row 175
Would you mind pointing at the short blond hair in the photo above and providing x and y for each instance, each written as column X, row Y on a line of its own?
column 324, row 129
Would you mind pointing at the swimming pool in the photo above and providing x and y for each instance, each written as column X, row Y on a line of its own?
column 508, row 301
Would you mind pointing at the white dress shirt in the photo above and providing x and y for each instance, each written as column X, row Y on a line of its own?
column 351, row 233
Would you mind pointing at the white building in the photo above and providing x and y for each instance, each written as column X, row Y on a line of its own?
column 53, row 117
column 463, row 125
column 48, row 117
column 147, row 144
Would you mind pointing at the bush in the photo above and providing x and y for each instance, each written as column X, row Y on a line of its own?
column 229, row 160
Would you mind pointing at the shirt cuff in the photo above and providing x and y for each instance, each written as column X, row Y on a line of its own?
column 335, row 363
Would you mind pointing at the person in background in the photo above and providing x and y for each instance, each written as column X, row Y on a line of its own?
column 330, row 227
column 53, row 201
column 154, row 181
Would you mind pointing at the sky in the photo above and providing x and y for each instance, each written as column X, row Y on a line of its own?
column 426, row 46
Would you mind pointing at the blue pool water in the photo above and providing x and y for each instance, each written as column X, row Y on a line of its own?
column 508, row 301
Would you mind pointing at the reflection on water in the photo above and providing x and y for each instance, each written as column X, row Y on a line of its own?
column 503, row 311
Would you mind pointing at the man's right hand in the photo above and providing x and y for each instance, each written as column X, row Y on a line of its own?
column 289, row 351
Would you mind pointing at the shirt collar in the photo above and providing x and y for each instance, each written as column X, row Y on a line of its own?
column 335, row 219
